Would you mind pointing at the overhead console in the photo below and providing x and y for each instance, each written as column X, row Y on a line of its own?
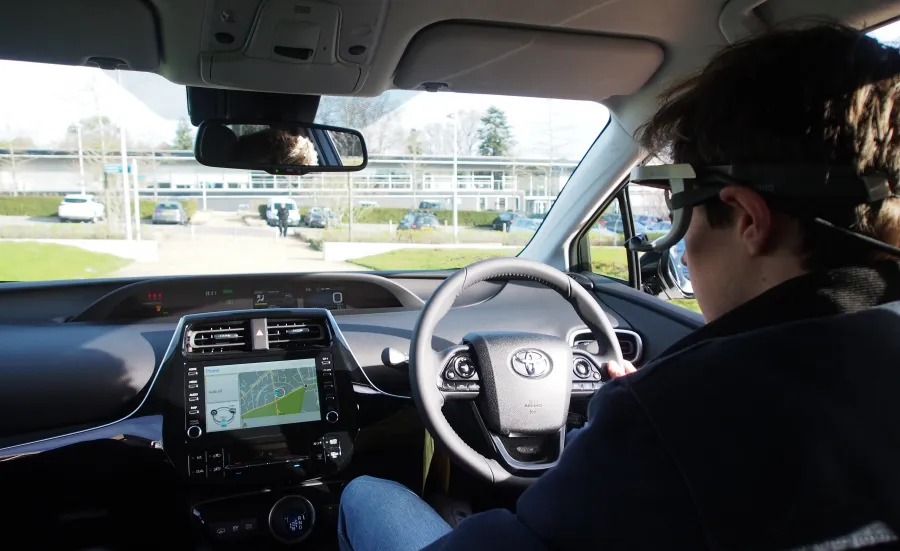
column 262, row 397
column 289, row 46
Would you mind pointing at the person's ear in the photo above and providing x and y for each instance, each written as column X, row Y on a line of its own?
column 754, row 221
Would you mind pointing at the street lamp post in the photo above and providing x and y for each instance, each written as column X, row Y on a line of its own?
column 124, row 151
column 455, row 118
column 80, row 157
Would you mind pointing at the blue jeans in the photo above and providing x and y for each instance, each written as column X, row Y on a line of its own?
column 386, row 515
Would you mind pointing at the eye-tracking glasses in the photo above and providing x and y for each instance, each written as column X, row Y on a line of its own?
column 689, row 187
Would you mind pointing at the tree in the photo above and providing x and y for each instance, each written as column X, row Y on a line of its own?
column 494, row 135
column 184, row 136
column 374, row 117
column 11, row 160
column 438, row 138
column 467, row 137
column 414, row 143
column 17, row 142
column 97, row 132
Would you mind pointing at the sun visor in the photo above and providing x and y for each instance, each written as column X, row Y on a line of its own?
column 107, row 33
column 484, row 59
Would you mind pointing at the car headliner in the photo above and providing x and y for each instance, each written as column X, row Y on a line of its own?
column 165, row 36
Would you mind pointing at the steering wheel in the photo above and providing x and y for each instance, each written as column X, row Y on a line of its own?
column 519, row 383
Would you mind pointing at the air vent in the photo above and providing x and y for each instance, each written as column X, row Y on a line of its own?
column 219, row 338
column 296, row 334
column 629, row 342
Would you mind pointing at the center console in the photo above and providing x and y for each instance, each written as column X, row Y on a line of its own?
column 260, row 401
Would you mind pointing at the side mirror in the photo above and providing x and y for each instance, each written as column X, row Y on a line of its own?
column 280, row 148
column 675, row 275
column 664, row 275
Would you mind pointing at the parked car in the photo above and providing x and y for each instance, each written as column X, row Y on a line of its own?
column 324, row 211
column 275, row 203
column 80, row 208
column 679, row 253
column 433, row 205
column 662, row 226
column 525, row 225
column 647, row 219
column 318, row 220
column 506, row 219
column 618, row 227
column 169, row 213
column 419, row 222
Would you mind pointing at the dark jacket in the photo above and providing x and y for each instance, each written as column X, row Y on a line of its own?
column 776, row 426
column 283, row 214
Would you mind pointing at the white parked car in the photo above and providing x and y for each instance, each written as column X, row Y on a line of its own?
column 80, row 208
column 275, row 203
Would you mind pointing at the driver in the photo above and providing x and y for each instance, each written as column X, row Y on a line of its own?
column 775, row 426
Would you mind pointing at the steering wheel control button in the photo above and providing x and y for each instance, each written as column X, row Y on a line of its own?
column 450, row 374
column 292, row 519
column 194, row 431
column 332, row 416
column 582, row 368
column 462, row 366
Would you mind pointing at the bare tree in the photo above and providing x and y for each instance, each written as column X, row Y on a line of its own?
column 437, row 138
column 376, row 117
column 468, row 131
column 11, row 158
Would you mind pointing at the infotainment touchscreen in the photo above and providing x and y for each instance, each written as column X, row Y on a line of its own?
column 261, row 394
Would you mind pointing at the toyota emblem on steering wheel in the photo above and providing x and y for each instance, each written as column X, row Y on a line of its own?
column 530, row 363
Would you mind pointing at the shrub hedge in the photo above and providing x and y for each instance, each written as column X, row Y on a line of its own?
column 46, row 206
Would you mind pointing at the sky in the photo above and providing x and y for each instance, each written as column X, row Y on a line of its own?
column 48, row 98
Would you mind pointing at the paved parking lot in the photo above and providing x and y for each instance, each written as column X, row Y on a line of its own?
column 223, row 244
column 220, row 243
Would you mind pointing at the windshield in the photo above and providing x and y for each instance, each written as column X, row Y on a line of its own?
column 84, row 131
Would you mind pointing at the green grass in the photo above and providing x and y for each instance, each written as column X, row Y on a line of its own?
column 689, row 303
column 291, row 403
column 25, row 261
column 610, row 261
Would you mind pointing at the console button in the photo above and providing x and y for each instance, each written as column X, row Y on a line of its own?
column 332, row 416
column 197, row 458
column 248, row 526
column 194, row 431
column 226, row 530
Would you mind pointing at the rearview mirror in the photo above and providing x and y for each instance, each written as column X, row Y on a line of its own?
column 279, row 148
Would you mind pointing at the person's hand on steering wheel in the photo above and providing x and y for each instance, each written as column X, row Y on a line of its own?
column 617, row 370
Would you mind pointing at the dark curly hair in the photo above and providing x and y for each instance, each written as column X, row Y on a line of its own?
column 821, row 95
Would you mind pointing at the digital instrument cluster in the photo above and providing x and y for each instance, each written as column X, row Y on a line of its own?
column 170, row 298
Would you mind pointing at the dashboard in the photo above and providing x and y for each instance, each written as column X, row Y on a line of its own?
column 167, row 362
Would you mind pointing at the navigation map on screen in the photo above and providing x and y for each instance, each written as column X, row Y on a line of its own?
column 261, row 394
